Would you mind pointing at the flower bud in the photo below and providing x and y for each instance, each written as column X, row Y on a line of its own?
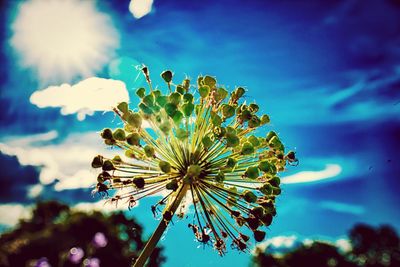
column 232, row 140
column 108, row 166
column 188, row 98
column 133, row 139
column 220, row 177
column 162, row 100
column 180, row 89
column 175, row 98
column 254, row 140
column 265, row 119
column 187, row 109
column 119, row 134
column 253, row 107
column 228, row 111
column 177, row 118
column 207, row 142
column 231, row 162
column 148, row 100
column 146, row 110
column 164, row 166
column 249, row 196
column 149, row 151
column 247, row 148
column 170, row 109
column 251, row 172
column 123, row 107
column 141, row 92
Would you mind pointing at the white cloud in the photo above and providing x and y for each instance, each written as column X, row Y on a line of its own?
column 330, row 171
column 11, row 213
column 102, row 206
column 83, row 98
column 68, row 161
column 344, row 245
column 35, row 190
column 140, row 8
column 343, row 207
column 62, row 40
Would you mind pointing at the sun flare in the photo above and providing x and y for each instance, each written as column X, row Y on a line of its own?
column 63, row 40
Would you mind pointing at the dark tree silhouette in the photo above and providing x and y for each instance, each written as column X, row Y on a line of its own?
column 54, row 229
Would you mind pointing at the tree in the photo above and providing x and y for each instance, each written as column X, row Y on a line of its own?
column 55, row 231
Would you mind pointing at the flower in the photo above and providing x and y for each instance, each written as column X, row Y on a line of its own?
column 42, row 262
column 99, row 240
column 75, row 255
column 91, row 262
column 203, row 146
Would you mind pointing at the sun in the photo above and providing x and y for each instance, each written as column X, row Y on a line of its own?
column 62, row 40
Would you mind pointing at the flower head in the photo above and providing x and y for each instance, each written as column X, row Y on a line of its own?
column 201, row 146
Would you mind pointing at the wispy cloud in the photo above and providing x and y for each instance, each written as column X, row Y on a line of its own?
column 343, row 207
column 330, row 171
column 83, row 98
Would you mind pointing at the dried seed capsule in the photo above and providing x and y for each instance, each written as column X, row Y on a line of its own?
column 249, row 196
column 275, row 181
column 244, row 237
column 264, row 166
column 135, row 120
column 133, row 139
column 275, row 143
column 276, row 191
column 139, row 182
column 164, row 166
column 257, row 212
column 167, row 76
column 204, row 91
column 108, row 166
column 251, row 172
column 232, row 140
column 247, row 148
column 123, row 107
column 209, row 81
column 265, row 119
column 253, row 107
column 254, row 122
column 221, row 94
column 172, row 185
column 97, row 162
column 231, row 162
column 266, row 219
column 253, row 223
column 259, row 235
column 254, row 140
column 106, row 133
column 239, row 92
column 119, row 134
column 186, row 84
column 215, row 119
column 141, row 92
column 130, row 154
column 266, row 189
column 149, row 151
column 270, row 135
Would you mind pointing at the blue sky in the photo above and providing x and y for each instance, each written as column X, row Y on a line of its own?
column 327, row 72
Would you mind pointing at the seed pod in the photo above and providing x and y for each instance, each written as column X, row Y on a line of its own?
column 276, row 144
column 221, row 94
column 139, row 182
column 239, row 92
column 167, row 76
column 219, row 132
column 257, row 212
column 97, row 162
column 123, row 107
column 209, row 81
column 265, row 119
column 187, row 109
column 141, row 92
column 170, row 109
column 251, row 172
column 175, row 98
column 264, row 166
column 220, row 177
column 232, row 140
column 204, row 91
column 186, row 84
column 207, row 142
column 119, row 134
column 194, row 170
column 244, row 237
column 156, row 93
column 270, row 135
column 130, row 154
column 106, row 134
column 167, row 215
column 181, row 134
column 253, row 223
column 180, row 89
column 215, row 119
column 135, row 120
column 253, row 107
column 148, row 100
column 276, row 191
column 247, row 148
column 103, row 176
column 162, row 100
column 231, row 162
column 149, row 151
column 177, row 118
column 145, row 109
column 266, row 189
column 200, row 81
column 246, row 115
column 275, row 181
column 228, row 111
column 259, row 235
column 266, row 219
column 108, row 166
column 249, row 196
column 254, row 122
column 164, row 166
column 172, row 185
column 133, row 139
column 188, row 98
column 254, row 140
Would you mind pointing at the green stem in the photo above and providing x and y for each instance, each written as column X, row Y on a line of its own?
column 152, row 242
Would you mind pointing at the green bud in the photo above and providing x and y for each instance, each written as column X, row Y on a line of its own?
column 186, row 84
column 133, row 139
column 130, row 154
column 117, row 159
column 170, row 109
column 220, row 177
column 162, row 100
column 249, row 196
column 139, row 182
column 145, row 109
column 180, row 89
column 257, row 212
column 187, row 109
column 175, row 98
column 251, row 172
column 221, row 94
column 207, row 142
column 239, row 92
column 204, row 91
column 181, row 134
column 253, row 107
column 119, row 134
column 188, row 98
column 167, row 76
column 276, row 143
column 246, row 115
column 231, row 162
column 106, row 134
column 215, row 119
column 232, row 140
column 254, row 140
column 228, row 111
column 276, row 191
column 247, row 148
column 177, row 118
column 275, row 181
column 135, row 120
column 270, row 135
column 97, row 162
column 148, row 100
column 264, row 166
column 209, row 81
column 194, row 170
column 265, row 119
column 199, row 81
column 219, row 132
column 141, row 92
column 164, row 166
column 165, row 127
column 156, row 93
column 173, row 185
column 149, row 151
column 266, row 189
column 123, row 107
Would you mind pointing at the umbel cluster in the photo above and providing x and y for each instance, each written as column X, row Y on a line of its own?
column 196, row 144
